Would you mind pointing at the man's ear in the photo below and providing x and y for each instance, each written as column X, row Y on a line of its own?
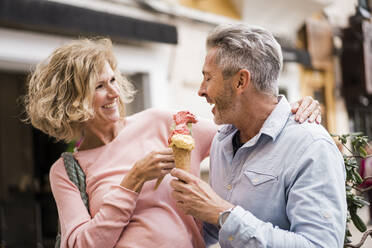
column 243, row 79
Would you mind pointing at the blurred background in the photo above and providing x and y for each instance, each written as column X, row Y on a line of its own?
column 160, row 47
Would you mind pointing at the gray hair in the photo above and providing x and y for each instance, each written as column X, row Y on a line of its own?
column 247, row 47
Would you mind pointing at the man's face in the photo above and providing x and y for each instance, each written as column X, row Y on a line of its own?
column 217, row 91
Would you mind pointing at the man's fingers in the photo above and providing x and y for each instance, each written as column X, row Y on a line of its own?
column 178, row 185
column 178, row 196
column 180, row 205
column 182, row 175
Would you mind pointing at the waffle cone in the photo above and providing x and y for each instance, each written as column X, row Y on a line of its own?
column 158, row 182
column 182, row 158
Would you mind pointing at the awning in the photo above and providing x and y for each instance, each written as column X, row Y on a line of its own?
column 63, row 19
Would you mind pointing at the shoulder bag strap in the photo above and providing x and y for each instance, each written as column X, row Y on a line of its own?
column 77, row 176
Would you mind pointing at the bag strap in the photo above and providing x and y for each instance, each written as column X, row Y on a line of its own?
column 77, row 176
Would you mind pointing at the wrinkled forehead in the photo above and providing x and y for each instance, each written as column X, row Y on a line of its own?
column 211, row 58
column 212, row 54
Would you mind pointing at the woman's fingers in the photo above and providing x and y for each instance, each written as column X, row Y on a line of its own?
column 162, row 155
column 319, row 119
column 315, row 116
column 295, row 106
column 311, row 109
column 166, row 167
column 303, row 105
column 166, row 151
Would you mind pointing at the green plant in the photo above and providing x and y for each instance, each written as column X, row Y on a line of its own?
column 352, row 159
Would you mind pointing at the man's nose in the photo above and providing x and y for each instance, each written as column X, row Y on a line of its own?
column 201, row 91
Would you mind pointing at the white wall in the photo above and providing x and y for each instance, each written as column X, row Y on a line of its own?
column 186, row 68
column 153, row 59
column 22, row 50
column 339, row 12
column 290, row 80
column 282, row 17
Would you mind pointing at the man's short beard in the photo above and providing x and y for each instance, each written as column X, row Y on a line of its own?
column 224, row 104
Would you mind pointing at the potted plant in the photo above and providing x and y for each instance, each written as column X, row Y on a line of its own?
column 354, row 144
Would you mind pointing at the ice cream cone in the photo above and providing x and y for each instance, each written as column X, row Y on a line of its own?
column 158, row 182
column 181, row 141
column 182, row 158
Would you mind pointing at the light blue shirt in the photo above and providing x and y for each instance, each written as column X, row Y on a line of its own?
column 288, row 183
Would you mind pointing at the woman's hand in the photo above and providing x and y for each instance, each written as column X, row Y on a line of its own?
column 307, row 108
column 153, row 165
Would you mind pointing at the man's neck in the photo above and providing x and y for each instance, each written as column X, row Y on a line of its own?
column 254, row 112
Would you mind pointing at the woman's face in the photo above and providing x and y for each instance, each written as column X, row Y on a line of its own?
column 105, row 99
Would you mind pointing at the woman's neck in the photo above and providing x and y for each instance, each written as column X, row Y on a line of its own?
column 96, row 136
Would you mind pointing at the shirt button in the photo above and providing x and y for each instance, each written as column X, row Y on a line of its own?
column 231, row 238
column 255, row 180
column 229, row 187
column 326, row 215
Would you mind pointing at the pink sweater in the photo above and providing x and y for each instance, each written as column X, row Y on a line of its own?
column 120, row 217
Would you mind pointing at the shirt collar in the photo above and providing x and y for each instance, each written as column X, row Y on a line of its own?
column 273, row 125
column 276, row 121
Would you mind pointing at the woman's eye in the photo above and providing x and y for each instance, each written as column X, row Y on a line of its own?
column 99, row 86
column 112, row 80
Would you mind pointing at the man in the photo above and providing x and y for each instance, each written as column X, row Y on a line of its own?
column 274, row 182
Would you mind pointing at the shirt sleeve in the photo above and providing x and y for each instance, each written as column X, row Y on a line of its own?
column 316, row 206
column 78, row 228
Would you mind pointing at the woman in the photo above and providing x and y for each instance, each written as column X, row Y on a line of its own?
column 78, row 93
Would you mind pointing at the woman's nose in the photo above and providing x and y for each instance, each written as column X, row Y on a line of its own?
column 112, row 91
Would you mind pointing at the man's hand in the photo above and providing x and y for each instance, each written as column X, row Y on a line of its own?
column 305, row 108
column 196, row 197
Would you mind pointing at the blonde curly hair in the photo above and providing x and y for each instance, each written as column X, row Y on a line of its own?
column 60, row 90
